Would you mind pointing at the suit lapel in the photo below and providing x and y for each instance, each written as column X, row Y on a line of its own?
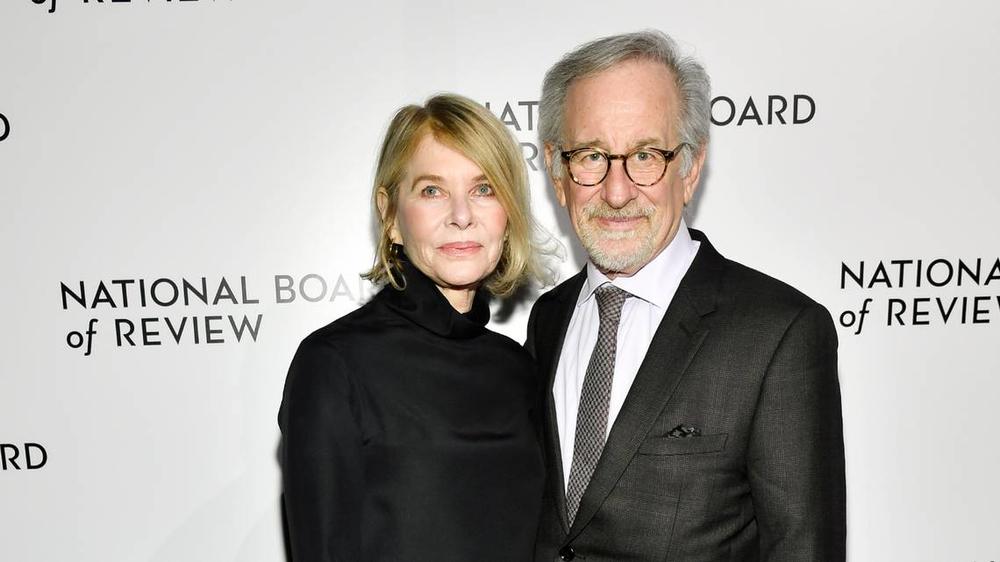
column 675, row 343
column 549, row 346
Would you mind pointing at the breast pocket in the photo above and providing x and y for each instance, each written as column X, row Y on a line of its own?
column 683, row 445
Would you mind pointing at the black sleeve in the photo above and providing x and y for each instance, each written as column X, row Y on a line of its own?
column 320, row 457
column 529, row 340
column 540, row 391
column 796, row 454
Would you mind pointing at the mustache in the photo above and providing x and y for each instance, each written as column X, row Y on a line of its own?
column 604, row 211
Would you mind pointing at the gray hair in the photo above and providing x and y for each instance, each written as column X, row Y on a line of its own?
column 691, row 79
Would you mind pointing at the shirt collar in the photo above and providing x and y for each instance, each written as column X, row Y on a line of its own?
column 655, row 282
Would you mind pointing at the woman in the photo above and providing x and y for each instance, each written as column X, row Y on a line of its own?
column 406, row 425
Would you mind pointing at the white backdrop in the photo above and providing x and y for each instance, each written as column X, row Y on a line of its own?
column 234, row 140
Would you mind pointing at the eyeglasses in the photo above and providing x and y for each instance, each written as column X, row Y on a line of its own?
column 644, row 166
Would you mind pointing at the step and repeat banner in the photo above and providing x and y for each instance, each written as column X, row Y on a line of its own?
column 185, row 194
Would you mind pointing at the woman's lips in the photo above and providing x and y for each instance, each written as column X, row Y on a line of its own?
column 460, row 249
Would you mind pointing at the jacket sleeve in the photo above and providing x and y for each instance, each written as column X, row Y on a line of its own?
column 529, row 340
column 320, row 456
column 795, row 458
column 541, row 390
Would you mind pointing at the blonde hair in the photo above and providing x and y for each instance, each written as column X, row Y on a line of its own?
column 470, row 129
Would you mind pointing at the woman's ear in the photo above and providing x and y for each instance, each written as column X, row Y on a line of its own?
column 382, row 202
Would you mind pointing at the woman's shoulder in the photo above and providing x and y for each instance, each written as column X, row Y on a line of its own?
column 359, row 325
column 322, row 375
column 336, row 342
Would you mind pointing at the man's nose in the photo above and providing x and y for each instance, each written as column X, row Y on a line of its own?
column 618, row 189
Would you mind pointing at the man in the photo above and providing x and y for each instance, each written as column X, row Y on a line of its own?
column 694, row 411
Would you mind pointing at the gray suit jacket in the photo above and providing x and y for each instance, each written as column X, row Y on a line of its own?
column 752, row 363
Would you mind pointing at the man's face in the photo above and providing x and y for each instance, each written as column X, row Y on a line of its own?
column 623, row 226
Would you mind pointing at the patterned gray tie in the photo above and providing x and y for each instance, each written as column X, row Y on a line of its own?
column 592, row 416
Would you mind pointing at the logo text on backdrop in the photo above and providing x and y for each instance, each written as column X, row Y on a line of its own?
column 28, row 456
column 217, row 296
column 52, row 3
column 4, row 127
column 911, row 292
column 777, row 110
column 521, row 116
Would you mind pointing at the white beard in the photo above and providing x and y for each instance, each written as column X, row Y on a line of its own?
column 594, row 238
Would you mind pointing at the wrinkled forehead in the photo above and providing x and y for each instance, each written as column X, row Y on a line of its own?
column 630, row 102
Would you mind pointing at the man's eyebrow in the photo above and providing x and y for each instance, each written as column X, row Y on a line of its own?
column 596, row 143
column 648, row 141
column 593, row 143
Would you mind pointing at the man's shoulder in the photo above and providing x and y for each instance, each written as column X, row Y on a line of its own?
column 757, row 285
column 758, row 302
column 748, row 289
column 565, row 291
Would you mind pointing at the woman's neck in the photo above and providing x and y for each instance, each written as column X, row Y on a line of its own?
column 460, row 299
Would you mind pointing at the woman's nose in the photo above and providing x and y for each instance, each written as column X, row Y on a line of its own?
column 461, row 212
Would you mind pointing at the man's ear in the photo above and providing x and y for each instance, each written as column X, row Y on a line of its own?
column 691, row 180
column 557, row 182
column 382, row 202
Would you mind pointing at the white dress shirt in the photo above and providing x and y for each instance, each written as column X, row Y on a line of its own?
column 652, row 289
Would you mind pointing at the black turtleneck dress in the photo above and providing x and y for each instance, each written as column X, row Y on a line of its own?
column 407, row 435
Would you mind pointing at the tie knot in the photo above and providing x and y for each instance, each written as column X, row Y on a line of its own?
column 610, row 300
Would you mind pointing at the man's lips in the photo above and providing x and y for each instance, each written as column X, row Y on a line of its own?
column 618, row 223
column 460, row 248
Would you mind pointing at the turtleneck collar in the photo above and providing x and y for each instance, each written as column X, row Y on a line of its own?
column 424, row 304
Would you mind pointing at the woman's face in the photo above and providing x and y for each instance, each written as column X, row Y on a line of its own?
column 448, row 218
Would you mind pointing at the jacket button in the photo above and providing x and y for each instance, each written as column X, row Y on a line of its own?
column 567, row 553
